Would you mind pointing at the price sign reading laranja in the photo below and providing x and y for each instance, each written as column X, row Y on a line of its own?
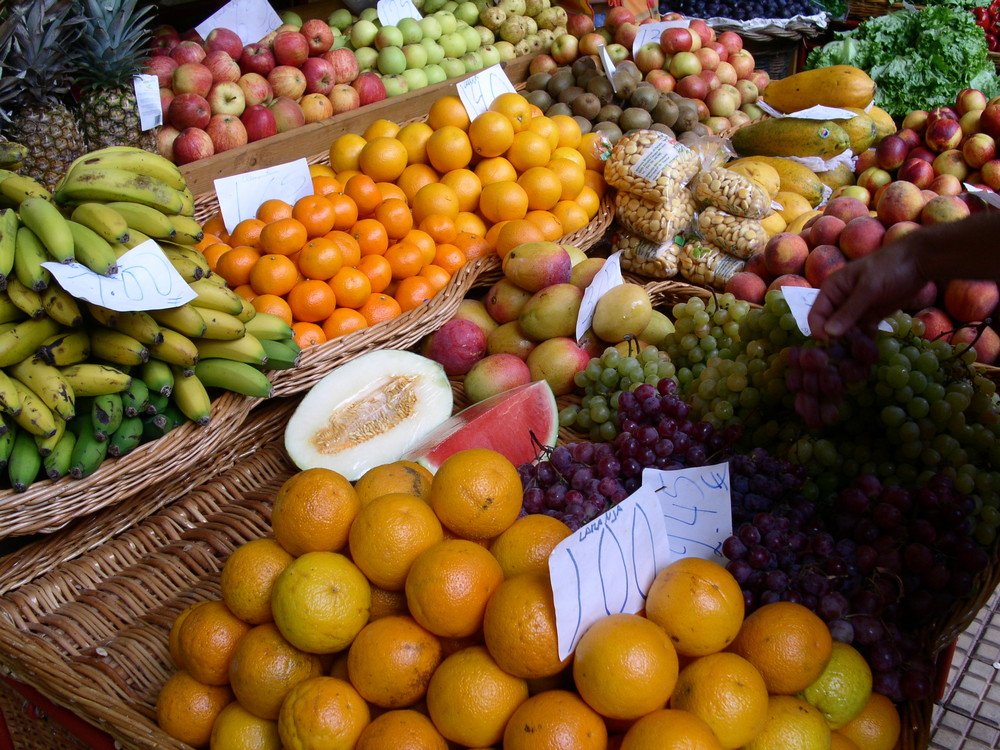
column 241, row 195
column 478, row 92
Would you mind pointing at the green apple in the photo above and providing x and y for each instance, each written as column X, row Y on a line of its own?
column 431, row 27
column 370, row 14
column 416, row 55
column 363, row 34
column 340, row 18
column 395, row 85
column 490, row 55
column 416, row 78
column 467, row 12
column 340, row 40
column 506, row 50
column 471, row 37
column 391, row 61
column 485, row 35
column 290, row 17
column 450, row 6
column 388, row 36
column 453, row 44
column 367, row 58
column 472, row 62
column 435, row 74
column 453, row 67
column 410, row 28
column 431, row 6
column 435, row 53
column 447, row 20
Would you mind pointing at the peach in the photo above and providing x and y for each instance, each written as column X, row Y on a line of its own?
column 494, row 374
column 873, row 178
column 866, row 160
column 822, row 261
column 504, row 301
column 789, row 279
column 755, row 265
column 856, row 192
column 917, row 171
column 983, row 340
column 946, row 184
column 937, row 323
column 967, row 300
column 747, row 286
column 826, row 230
column 510, row 339
column 943, row 209
column 456, row 346
column 785, row 253
column 951, row 162
column 901, row 201
column 861, row 236
column 898, row 230
column 891, row 152
column 846, row 208
column 924, row 298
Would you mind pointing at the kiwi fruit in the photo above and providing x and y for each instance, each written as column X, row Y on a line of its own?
column 645, row 96
column 569, row 94
column 582, row 64
column 635, row 118
column 701, row 129
column 610, row 129
column 537, row 81
column 609, row 113
column 687, row 117
column 665, row 112
column 585, row 125
column 624, row 85
column 559, row 108
column 675, row 97
column 559, row 82
column 588, row 75
column 663, row 129
column 540, row 98
column 629, row 68
column 586, row 105
column 601, row 87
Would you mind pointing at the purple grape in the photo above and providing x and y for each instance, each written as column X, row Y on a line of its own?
column 841, row 630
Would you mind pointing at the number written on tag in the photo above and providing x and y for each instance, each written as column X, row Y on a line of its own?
column 478, row 92
column 252, row 20
column 391, row 12
column 241, row 195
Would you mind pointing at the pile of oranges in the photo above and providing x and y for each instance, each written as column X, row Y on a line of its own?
column 400, row 209
column 405, row 612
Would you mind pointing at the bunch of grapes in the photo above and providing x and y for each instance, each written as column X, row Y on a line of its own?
column 741, row 11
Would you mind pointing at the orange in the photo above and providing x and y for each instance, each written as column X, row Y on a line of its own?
column 448, row 110
column 877, row 727
column 791, row 722
column 595, row 181
column 283, row 237
column 246, row 233
column 448, row 586
column 403, row 729
column 543, row 186
column 839, row 741
column 570, row 154
column 265, row 667
column 670, row 729
column 273, row 209
column 552, row 720
column 569, row 130
column 414, row 177
column 472, row 245
column 236, row 264
column 173, row 640
column 386, row 603
column 381, row 128
column 414, row 138
column 494, row 233
column 315, row 213
column 407, row 477
column 491, row 134
column 497, row 169
column 312, row 300
column 378, row 308
column 528, row 150
column 422, row 240
column 237, row 727
column 246, row 292
column 440, row 227
column 571, row 215
column 467, row 187
column 389, row 533
column 435, row 198
column 345, row 211
column 470, row 223
column 186, row 709
column 326, row 185
column 391, row 190
column 502, row 201
column 364, row 192
column 350, row 250
column 413, row 292
column 214, row 225
column 570, row 174
column 351, row 287
column 249, row 575
column 546, row 127
column 212, row 253
column 314, row 510
column 449, row 257
column 788, row 643
column 323, row 712
column 272, row 303
column 477, row 493
column 449, row 148
column 320, row 259
column 345, row 152
column 343, row 321
column 307, row 334
column 321, row 170
column 589, row 201
column 726, row 692
column 395, row 216
column 405, row 259
column 206, row 641
column 519, row 627
column 596, row 148
column 383, row 159
column 207, row 240
column 526, row 545
column 515, row 233
column 515, row 108
column 698, row 603
column 436, row 277
column 273, row 274
column 392, row 660
column 345, row 175
column 549, row 225
column 378, row 271
column 470, row 699
column 371, row 236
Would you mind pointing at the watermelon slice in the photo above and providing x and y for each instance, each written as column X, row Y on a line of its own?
column 505, row 423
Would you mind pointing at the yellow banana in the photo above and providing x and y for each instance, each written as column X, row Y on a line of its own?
column 102, row 219
column 216, row 297
column 61, row 306
column 28, row 300
column 139, row 325
column 187, row 202
column 220, row 325
column 89, row 379
column 191, row 397
column 135, row 160
column 176, row 348
column 188, row 269
column 20, row 187
column 92, row 250
column 22, row 340
column 147, row 220
column 34, row 417
column 12, row 154
column 267, row 326
column 248, row 312
column 187, row 231
column 47, row 444
column 184, row 319
column 8, row 310
column 43, row 218
column 29, row 254
column 47, row 383
column 116, row 347
column 8, row 241
column 190, row 253
column 135, row 239
column 10, row 401
column 67, row 348
column 108, row 184
column 244, row 349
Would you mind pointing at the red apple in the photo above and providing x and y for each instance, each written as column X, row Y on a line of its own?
column 649, row 57
column 928, row 292
column 743, row 63
column 676, row 40
column 192, row 144
column 316, row 106
column 711, row 79
column 192, row 35
column 226, row 98
column 287, row 113
column 566, row 47
column 287, row 80
column 344, row 98
column 732, row 41
column 709, row 58
column 705, row 32
column 226, row 132
column 163, row 68
column 542, row 63
column 189, row 111
column 719, row 49
column 256, row 58
column 661, row 80
column 692, row 87
column 617, row 16
column 290, row 48
column 256, row 89
column 188, row 51
column 319, row 76
column 579, row 24
column 222, row 66
column 369, row 87
column 984, row 341
column 226, row 40
column 760, row 78
column 259, row 122
column 345, row 64
column 166, row 96
column 937, row 323
column 164, row 37
column 625, row 34
column 192, row 78
column 586, row 45
column 318, row 35
column 165, row 141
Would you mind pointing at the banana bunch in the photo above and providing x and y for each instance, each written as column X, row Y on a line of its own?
column 12, row 155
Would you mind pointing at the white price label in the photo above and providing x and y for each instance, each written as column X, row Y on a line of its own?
column 987, row 195
column 697, row 508
column 391, row 12
column 147, row 99
column 608, row 64
column 241, row 195
column 478, row 91
column 609, row 276
column 252, row 20
column 651, row 32
column 800, row 300
column 145, row 280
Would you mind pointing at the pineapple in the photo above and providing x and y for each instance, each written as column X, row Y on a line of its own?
column 108, row 53
column 37, row 73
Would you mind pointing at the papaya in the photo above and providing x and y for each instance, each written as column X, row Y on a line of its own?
column 861, row 130
column 837, row 177
column 795, row 177
column 791, row 136
column 763, row 174
column 834, row 86
column 792, row 205
column 774, row 223
column 884, row 124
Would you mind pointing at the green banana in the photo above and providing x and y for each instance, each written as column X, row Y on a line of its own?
column 56, row 464
column 148, row 221
column 8, row 431
column 106, row 412
column 126, row 438
column 183, row 319
column 89, row 379
column 191, row 398
column 245, row 349
column 135, row 398
column 35, row 417
column 281, row 356
column 267, row 326
column 216, row 297
column 22, row 340
column 92, row 250
column 187, row 231
column 88, row 452
column 158, row 376
column 135, row 160
column 116, row 347
column 65, row 349
column 220, row 325
column 157, row 402
column 19, row 188
column 237, row 377
column 176, row 349
column 29, row 254
column 103, row 220
column 43, row 218
column 8, row 241
column 84, row 184
column 27, row 300
column 47, row 383
column 61, row 306
column 24, row 463
column 46, row 445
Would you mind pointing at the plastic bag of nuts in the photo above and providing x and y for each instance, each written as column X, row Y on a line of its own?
column 734, row 234
column 707, row 265
column 650, row 164
column 731, row 192
column 656, row 221
column 655, row 260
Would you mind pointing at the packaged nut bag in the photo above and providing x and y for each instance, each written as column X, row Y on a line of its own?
column 731, row 192
column 645, row 258
column 706, row 265
column 657, row 221
column 650, row 164
column 734, row 234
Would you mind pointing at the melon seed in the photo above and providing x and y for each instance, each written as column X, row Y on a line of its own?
column 379, row 408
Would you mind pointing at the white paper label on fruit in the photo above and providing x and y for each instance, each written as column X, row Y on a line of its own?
column 145, row 280
column 651, row 32
column 607, row 566
column 656, row 157
column 819, row 112
column 608, row 277
column 800, row 300
column 697, row 508
column 147, row 100
column 391, row 12
column 608, row 64
column 768, row 109
column 478, row 91
column 241, row 195
column 252, row 20
column 987, row 195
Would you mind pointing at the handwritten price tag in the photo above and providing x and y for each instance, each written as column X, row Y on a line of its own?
column 651, row 32
column 251, row 19
column 145, row 281
column 608, row 277
column 800, row 300
column 608, row 64
column 607, row 566
column 697, row 510
column 477, row 92
column 241, row 195
column 391, row 12
column 147, row 99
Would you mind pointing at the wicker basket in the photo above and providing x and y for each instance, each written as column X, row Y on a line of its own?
column 859, row 10
column 795, row 29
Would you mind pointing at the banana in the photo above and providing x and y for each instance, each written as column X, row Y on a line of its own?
column 135, row 398
column 191, row 253
column 183, row 319
column 10, row 401
column 215, row 280
column 29, row 254
column 158, row 402
column 187, row 202
column 216, row 297
column 24, row 463
column 48, row 384
column 147, row 220
column 8, row 310
column 46, row 445
column 56, row 464
column 188, row 269
column 176, row 348
column 187, row 231
column 102, row 219
column 237, row 377
column 88, row 379
column 88, row 452
column 116, row 347
column 8, row 241
column 156, row 426
column 110, row 184
column 191, row 398
column 281, row 356
column 135, row 238
column 27, row 300
column 43, row 218
column 22, row 340
column 106, row 413
column 157, row 376
column 220, row 325
column 139, row 325
column 126, row 438
column 8, row 431
column 248, row 312
column 61, row 306
column 133, row 160
column 35, row 417
column 65, row 349
column 12, row 154
column 267, row 326
column 245, row 349
column 92, row 250
column 20, row 187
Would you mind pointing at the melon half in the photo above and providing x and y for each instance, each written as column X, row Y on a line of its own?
column 368, row 412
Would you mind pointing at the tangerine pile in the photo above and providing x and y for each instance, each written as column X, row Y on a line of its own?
column 415, row 611
column 400, row 209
